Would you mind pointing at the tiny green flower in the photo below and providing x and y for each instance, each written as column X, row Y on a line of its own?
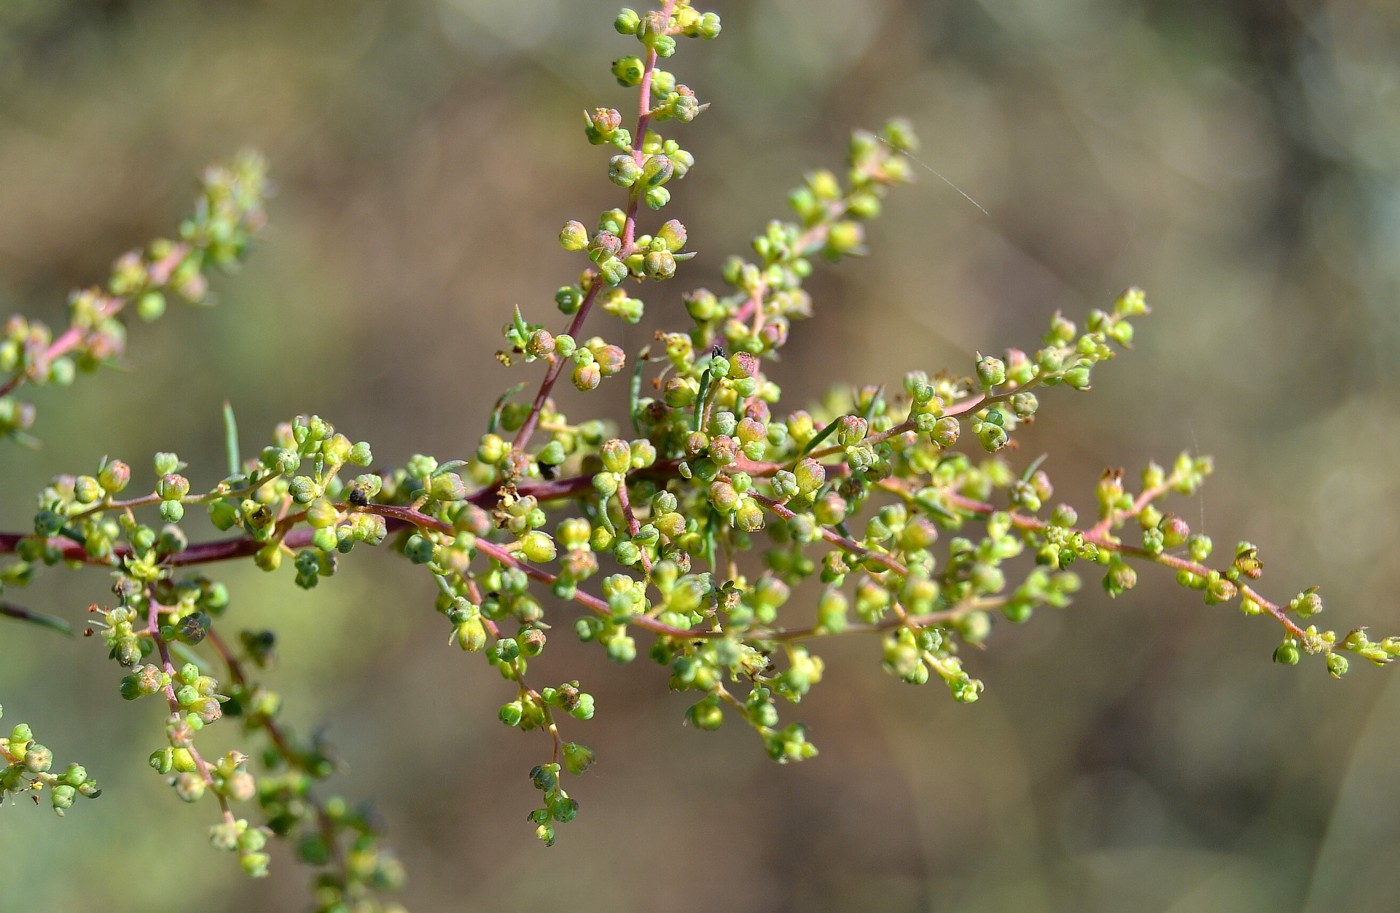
column 577, row 758
column 627, row 22
column 622, row 171
column 538, row 547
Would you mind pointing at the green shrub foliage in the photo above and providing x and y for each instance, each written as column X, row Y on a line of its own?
column 899, row 507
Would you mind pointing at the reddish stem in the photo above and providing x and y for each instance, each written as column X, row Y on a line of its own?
column 629, row 232
column 110, row 305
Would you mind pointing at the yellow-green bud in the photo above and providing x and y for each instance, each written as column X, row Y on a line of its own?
column 538, row 547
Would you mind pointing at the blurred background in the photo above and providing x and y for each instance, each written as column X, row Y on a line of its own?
column 1240, row 159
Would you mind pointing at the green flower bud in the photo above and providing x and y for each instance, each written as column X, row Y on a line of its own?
column 1120, row 578
column 114, row 476
column 573, row 236
column 62, row 798
column 623, row 170
column 1174, row 531
column 470, row 634
column 899, row 134
column 240, row 786
column 1132, row 303
column 1337, row 665
column 568, row 299
column 47, row 523
column 189, row 786
column 991, row 371
column 613, row 271
column 749, row 517
column 784, row 485
column 573, row 533
column 193, row 628
column 628, row 71
column 491, row 450
column 532, row 642
column 336, row 449
column 672, row 234
column 863, row 205
column 269, row 557
column 659, row 264
column 38, row 759
column 606, row 484
column 62, row 371
column 552, row 454
column 86, row 489
column 251, row 839
column 172, row 486
column 538, row 547
column 162, row 760
column 167, row 463
column 448, row 486
column 643, row 453
column 325, row 539
column 512, row 713
column 1050, row 360
column 723, row 496
column 587, row 376
column 617, row 456
column 627, row 552
column 620, row 649
column 1078, row 377
column 360, row 454
column 627, row 22
column 583, row 709
column 172, row 511
column 706, row 715
column 577, row 758
column 1287, row 652
column 810, row 475
column 657, row 197
column 303, row 489
column 421, row 466
column 844, row 238
column 946, row 431
column 701, row 305
column 657, row 170
column 419, row 549
column 150, row 306
column 321, row 513
column 851, row 430
column 127, row 651
column 664, row 45
column 1307, row 603
column 540, row 344
column 612, row 220
column 1024, row 495
column 255, row 865
column 1220, row 589
column 992, row 436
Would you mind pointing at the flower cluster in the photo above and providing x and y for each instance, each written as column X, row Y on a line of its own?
column 28, row 768
column 682, row 538
column 228, row 213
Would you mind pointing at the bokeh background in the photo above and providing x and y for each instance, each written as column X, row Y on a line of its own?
column 1238, row 158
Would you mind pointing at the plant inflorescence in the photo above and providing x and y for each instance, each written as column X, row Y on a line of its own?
column 682, row 536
